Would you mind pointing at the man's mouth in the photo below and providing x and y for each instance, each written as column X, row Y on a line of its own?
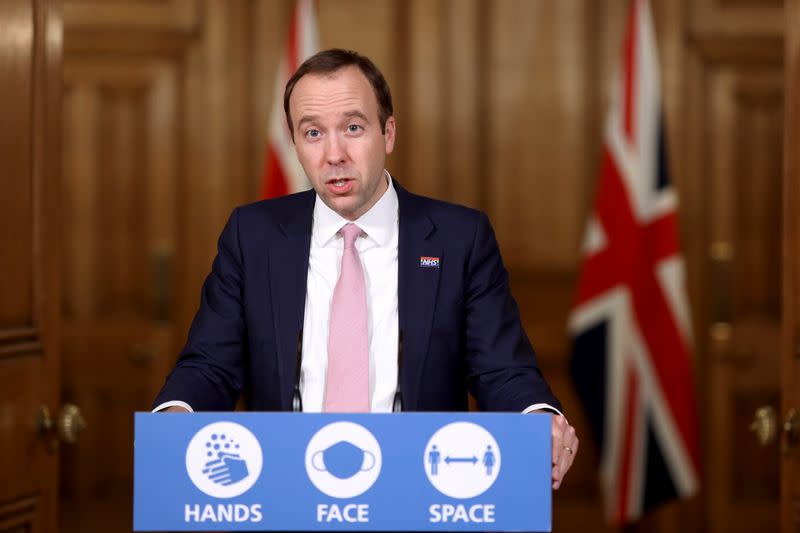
column 338, row 182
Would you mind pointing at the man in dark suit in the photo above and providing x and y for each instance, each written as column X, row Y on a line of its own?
column 414, row 272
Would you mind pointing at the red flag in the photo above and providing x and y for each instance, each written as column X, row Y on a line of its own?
column 282, row 172
column 631, row 360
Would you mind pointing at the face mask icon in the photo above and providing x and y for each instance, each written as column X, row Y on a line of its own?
column 343, row 460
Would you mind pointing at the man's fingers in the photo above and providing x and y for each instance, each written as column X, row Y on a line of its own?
column 557, row 476
column 565, row 446
column 570, row 443
column 558, row 437
column 561, row 468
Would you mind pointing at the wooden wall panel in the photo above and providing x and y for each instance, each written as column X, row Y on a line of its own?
column 341, row 28
column 16, row 232
column 122, row 159
column 537, row 115
column 465, row 85
column 425, row 101
column 215, row 166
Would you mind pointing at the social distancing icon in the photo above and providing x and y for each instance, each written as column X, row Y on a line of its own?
column 462, row 460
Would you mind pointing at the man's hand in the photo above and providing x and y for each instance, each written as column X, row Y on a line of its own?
column 565, row 447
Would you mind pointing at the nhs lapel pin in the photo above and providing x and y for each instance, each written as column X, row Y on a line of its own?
column 428, row 262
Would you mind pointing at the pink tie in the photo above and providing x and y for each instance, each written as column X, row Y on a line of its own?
column 347, row 385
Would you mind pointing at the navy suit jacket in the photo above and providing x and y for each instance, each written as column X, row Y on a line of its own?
column 461, row 326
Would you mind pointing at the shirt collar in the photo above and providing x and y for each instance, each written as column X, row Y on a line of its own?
column 379, row 223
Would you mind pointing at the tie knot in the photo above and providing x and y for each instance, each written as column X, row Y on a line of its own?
column 350, row 232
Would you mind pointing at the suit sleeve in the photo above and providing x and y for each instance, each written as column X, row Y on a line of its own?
column 210, row 370
column 502, row 372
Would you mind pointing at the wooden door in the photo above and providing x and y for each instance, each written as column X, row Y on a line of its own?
column 30, row 48
column 790, row 345
column 155, row 153
column 733, row 206
column 119, row 223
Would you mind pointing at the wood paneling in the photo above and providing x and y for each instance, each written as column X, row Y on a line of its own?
column 215, row 166
column 22, row 395
column 16, row 233
column 119, row 215
column 537, row 115
column 120, row 226
column 21, row 515
column 790, row 338
column 733, row 200
column 142, row 15
column 424, row 118
column 737, row 17
column 30, row 54
column 156, row 151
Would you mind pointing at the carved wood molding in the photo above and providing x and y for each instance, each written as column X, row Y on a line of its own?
column 737, row 17
column 19, row 514
column 131, row 27
column 98, row 42
column 19, row 341
column 730, row 49
column 165, row 15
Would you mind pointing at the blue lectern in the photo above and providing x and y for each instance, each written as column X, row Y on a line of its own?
column 363, row 472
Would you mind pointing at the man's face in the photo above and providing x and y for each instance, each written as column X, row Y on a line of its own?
column 338, row 139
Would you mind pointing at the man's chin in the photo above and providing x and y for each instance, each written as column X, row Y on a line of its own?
column 344, row 206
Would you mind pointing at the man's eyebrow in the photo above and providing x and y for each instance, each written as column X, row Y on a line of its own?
column 356, row 114
column 306, row 118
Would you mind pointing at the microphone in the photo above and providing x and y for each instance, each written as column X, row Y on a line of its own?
column 297, row 398
column 397, row 404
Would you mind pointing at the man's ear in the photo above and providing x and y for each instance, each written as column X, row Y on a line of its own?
column 389, row 134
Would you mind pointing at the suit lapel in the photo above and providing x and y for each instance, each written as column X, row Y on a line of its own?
column 288, row 264
column 417, row 287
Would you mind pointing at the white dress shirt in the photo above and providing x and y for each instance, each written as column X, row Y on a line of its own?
column 377, row 250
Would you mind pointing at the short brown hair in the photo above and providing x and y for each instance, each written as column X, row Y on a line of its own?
column 329, row 61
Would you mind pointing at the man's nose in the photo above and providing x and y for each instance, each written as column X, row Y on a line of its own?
column 335, row 150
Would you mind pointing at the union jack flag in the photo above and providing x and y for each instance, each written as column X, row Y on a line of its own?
column 631, row 324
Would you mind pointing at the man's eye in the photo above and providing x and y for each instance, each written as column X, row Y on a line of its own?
column 353, row 128
column 313, row 133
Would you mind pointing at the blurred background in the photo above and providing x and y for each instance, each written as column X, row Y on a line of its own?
column 131, row 128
